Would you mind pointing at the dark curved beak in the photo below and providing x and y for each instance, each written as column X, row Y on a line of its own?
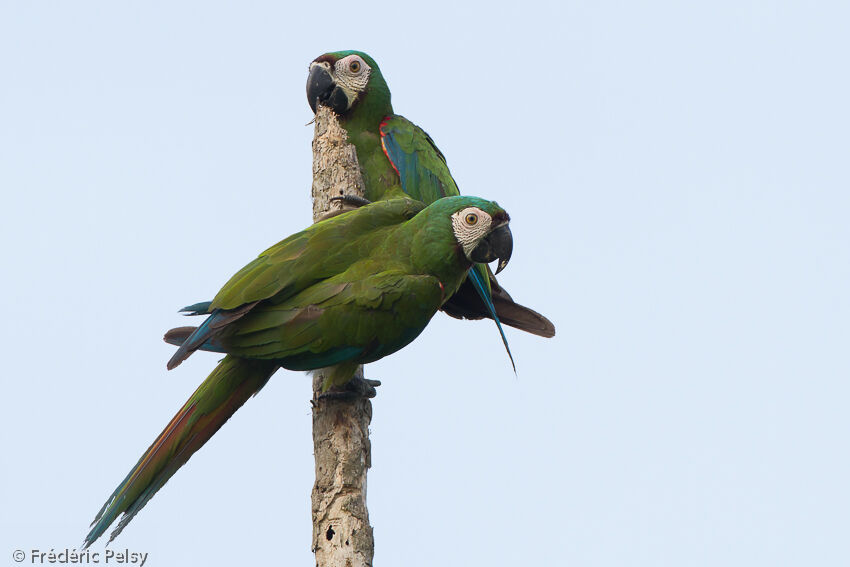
column 322, row 89
column 498, row 244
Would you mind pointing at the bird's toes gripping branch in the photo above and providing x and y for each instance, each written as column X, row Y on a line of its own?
column 346, row 203
column 355, row 389
column 353, row 201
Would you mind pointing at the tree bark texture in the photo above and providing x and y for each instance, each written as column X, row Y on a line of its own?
column 342, row 536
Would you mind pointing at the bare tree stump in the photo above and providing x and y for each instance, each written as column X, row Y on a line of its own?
column 342, row 536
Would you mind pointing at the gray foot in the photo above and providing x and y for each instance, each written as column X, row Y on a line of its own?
column 354, row 389
column 352, row 200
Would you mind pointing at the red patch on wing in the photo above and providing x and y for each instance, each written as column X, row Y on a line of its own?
column 381, row 126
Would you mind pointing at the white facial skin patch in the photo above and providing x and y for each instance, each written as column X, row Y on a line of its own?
column 352, row 74
column 470, row 225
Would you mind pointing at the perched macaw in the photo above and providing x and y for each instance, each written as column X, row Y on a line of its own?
column 346, row 291
column 397, row 159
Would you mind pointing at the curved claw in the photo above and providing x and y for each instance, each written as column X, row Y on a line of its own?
column 355, row 389
column 352, row 200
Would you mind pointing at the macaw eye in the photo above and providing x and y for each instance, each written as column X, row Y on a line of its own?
column 471, row 219
column 354, row 66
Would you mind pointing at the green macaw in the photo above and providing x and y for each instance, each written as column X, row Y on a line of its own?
column 398, row 159
column 346, row 291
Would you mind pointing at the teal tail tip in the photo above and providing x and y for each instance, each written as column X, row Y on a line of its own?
column 502, row 333
column 98, row 527
column 87, row 543
column 201, row 308
column 505, row 342
column 484, row 293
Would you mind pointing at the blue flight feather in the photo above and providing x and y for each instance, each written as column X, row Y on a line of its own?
column 478, row 283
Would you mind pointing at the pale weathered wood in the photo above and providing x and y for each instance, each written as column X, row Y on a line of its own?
column 335, row 168
column 342, row 536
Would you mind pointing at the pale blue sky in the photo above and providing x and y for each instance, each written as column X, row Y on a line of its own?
column 677, row 176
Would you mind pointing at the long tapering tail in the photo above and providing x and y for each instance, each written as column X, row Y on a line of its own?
column 224, row 391
column 467, row 303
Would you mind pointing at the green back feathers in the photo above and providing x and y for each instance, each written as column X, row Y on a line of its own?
column 391, row 231
column 318, row 252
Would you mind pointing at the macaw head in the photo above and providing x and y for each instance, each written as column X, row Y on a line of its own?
column 349, row 82
column 481, row 229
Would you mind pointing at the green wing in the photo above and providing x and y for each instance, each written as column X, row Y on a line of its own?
column 325, row 248
column 350, row 317
column 304, row 259
column 420, row 165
